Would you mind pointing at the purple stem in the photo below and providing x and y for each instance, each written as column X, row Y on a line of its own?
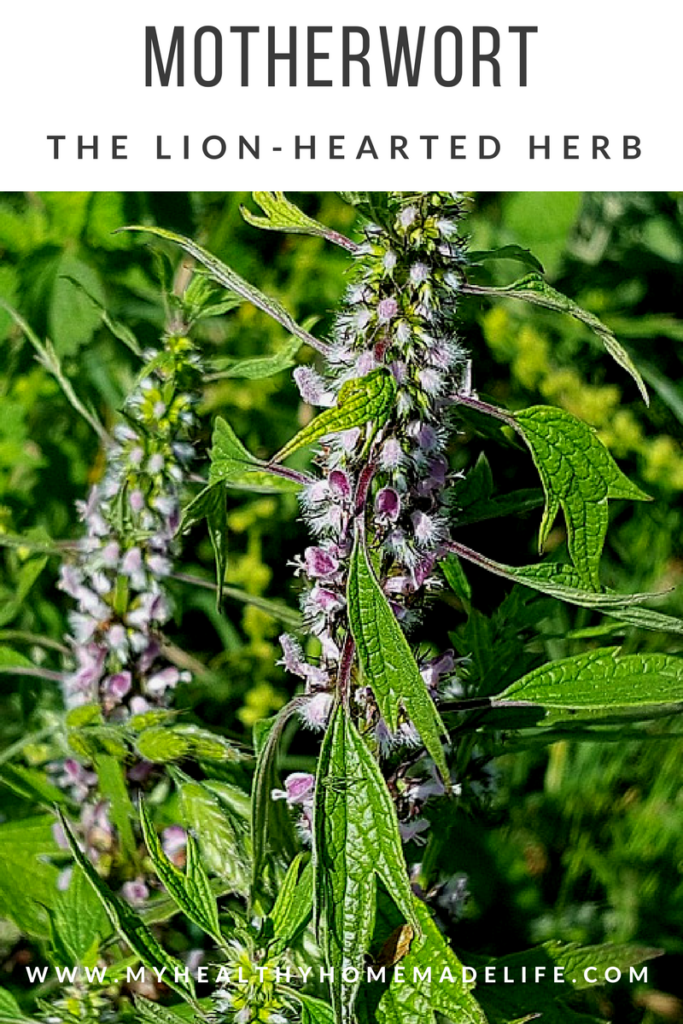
column 470, row 402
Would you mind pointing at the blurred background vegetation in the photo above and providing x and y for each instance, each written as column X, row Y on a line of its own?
column 577, row 842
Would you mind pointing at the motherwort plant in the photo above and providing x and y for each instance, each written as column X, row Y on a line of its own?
column 346, row 868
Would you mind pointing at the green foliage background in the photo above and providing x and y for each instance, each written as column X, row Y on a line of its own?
column 582, row 841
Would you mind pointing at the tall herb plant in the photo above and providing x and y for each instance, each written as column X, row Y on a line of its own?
column 341, row 869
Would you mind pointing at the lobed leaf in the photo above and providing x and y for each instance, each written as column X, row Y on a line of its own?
column 356, row 838
column 360, row 401
column 234, row 466
column 579, row 475
column 389, row 667
column 191, row 888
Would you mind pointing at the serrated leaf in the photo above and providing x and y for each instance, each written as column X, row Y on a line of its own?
column 579, row 475
column 294, row 904
column 389, row 667
column 129, row 924
column 599, row 680
column 505, row 252
column 538, row 292
column 421, row 994
column 190, row 888
column 229, row 279
column 356, row 838
column 79, row 918
column 360, row 401
column 282, row 215
column 234, row 466
column 564, row 583
column 114, row 789
column 220, row 838
column 270, row 821
column 210, row 504
column 25, row 846
column 259, row 367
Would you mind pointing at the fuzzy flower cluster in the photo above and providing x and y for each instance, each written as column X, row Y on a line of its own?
column 399, row 314
column 131, row 517
column 250, row 997
column 118, row 583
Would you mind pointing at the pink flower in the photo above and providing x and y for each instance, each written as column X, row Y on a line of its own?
column 320, row 563
column 388, row 505
column 387, row 309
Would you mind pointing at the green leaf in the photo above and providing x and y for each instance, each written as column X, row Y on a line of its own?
column 9, row 658
column 259, row 367
column 564, row 583
column 234, row 466
column 219, row 834
column 24, row 848
column 229, row 279
column 294, row 904
column 73, row 314
column 80, row 919
column 11, row 1012
column 114, row 789
column 506, row 252
column 368, row 399
column 578, row 475
column 356, row 838
column 313, row 1011
column 161, row 744
column 599, row 680
column 129, row 924
column 270, row 822
column 155, row 1013
column 281, row 215
column 418, row 998
column 535, row 290
column 546, row 998
column 456, row 578
column 49, row 359
column 120, row 330
column 389, row 667
column 190, row 888
column 210, row 504
column 31, row 785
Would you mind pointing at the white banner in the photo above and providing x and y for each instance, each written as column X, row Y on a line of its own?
column 514, row 94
